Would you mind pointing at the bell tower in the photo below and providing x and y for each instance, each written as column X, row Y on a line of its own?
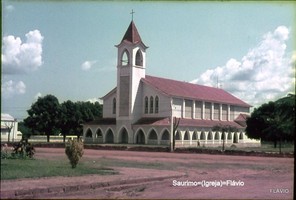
column 131, row 64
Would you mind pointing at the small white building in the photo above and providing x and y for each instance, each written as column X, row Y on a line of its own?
column 9, row 129
column 140, row 109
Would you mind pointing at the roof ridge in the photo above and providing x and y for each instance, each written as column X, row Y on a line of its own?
column 194, row 84
column 176, row 88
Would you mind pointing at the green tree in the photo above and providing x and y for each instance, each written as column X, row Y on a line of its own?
column 87, row 112
column 273, row 121
column 44, row 115
column 24, row 129
column 73, row 115
column 69, row 118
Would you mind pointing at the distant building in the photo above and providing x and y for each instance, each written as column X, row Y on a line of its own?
column 9, row 129
column 140, row 109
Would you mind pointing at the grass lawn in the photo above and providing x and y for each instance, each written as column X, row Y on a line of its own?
column 33, row 168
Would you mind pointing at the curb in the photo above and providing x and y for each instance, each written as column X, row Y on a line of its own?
column 31, row 193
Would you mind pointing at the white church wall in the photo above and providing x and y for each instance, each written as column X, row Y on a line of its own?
column 178, row 107
column 8, row 122
column 137, row 93
column 108, row 106
column 240, row 110
column 164, row 109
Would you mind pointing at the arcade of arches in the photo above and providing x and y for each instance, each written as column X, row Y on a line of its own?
column 162, row 137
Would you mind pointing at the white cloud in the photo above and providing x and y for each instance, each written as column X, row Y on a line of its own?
column 20, row 57
column 265, row 73
column 37, row 95
column 94, row 100
column 9, row 8
column 11, row 88
column 87, row 65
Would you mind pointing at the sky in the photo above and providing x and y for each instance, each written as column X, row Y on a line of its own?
column 67, row 48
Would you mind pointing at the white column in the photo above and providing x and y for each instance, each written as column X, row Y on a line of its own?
column 183, row 109
column 193, row 110
column 171, row 138
column 212, row 111
column 220, row 112
column 228, row 112
column 203, row 110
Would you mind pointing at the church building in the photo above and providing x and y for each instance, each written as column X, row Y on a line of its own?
column 140, row 109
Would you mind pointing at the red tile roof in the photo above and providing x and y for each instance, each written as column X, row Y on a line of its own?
column 132, row 35
column 186, row 122
column 102, row 121
column 192, row 91
column 241, row 119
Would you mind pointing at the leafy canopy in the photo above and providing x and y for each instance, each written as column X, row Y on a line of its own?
column 273, row 121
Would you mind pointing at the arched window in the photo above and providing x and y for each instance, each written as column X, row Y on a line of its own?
column 241, row 136
column 99, row 134
column 178, row 136
column 186, row 135
column 202, row 135
column 194, row 135
column 114, row 106
column 123, row 136
column 229, row 137
column 109, row 136
column 152, row 135
column 88, row 134
column 140, row 137
column 210, row 136
column 146, row 105
column 125, row 58
column 151, row 104
column 139, row 58
column 156, row 104
column 217, row 136
column 165, row 135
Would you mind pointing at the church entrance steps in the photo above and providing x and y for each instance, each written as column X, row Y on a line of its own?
column 52, row 186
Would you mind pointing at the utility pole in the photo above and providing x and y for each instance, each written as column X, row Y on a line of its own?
column 172, row 126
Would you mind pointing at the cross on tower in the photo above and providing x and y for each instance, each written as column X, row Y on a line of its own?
column 132, row 13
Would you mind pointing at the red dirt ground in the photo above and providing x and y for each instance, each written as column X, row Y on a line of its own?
column 259, row 177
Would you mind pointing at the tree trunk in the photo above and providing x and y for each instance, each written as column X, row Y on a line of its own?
column 173, row 140
column 274, row 143
column 48, row 135
column 8, row 139
column 64, row 137
column 280, row 146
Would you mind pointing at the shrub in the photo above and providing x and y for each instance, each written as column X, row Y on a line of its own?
column 4, row 153
column 74, row 151
column 23, row 149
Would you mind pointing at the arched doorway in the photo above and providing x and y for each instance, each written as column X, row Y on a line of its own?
column 210, row 136
column 88, row 133
column 241, row 136
column 202, row 136
column 123, row 136
column 140, row 138
column 88, row 136
column 99, row 136
column 152, row 137
column 235, row 138
column 109, row 136
column 165, row 137
column 178, row 136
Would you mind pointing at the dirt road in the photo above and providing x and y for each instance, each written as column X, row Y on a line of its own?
column 201, row 176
